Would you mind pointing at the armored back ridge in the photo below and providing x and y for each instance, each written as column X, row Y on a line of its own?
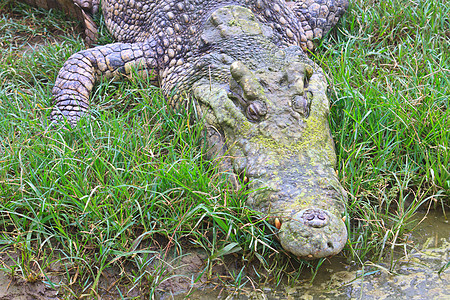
column 243, row 63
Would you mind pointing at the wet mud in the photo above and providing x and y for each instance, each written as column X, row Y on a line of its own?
column 417, row 274
column 15, row 288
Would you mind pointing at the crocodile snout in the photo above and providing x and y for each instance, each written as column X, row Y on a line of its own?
column 313, row 233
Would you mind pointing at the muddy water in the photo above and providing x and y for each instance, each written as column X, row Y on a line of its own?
column 413, row 276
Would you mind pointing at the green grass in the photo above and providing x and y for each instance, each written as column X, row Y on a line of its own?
column 124, row 189
column 390, row 69
column 102, row 196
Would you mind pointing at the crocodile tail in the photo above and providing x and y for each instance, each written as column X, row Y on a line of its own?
column 82, row 70
column 317, row 17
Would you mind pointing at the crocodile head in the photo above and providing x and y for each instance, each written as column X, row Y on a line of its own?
column 266, row 111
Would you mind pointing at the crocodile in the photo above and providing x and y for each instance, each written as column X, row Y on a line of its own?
column 244, row 65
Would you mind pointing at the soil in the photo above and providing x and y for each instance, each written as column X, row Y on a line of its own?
column 19, row 289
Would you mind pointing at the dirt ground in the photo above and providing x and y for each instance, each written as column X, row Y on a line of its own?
column 19, row 289
column 177, row 279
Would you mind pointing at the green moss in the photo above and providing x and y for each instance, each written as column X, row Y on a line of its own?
column 314, row 137
column 233, row 23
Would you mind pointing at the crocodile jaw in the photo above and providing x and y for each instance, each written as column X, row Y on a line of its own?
column 306, row 200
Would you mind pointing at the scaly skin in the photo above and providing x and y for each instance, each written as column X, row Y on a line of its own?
column 271, row 106
column 262, row 99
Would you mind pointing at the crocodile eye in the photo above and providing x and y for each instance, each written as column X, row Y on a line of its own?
column 308, row 71
column 256, row 110
column 302, row 104
column 299, row 103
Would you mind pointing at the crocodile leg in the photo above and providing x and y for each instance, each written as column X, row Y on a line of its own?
column 90, row 29
column 90, row 6
column 78, row 9
column 317, row 17
column 88, row 9
column 83, row 69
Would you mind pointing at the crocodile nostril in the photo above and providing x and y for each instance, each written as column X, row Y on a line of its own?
column 315, row 218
